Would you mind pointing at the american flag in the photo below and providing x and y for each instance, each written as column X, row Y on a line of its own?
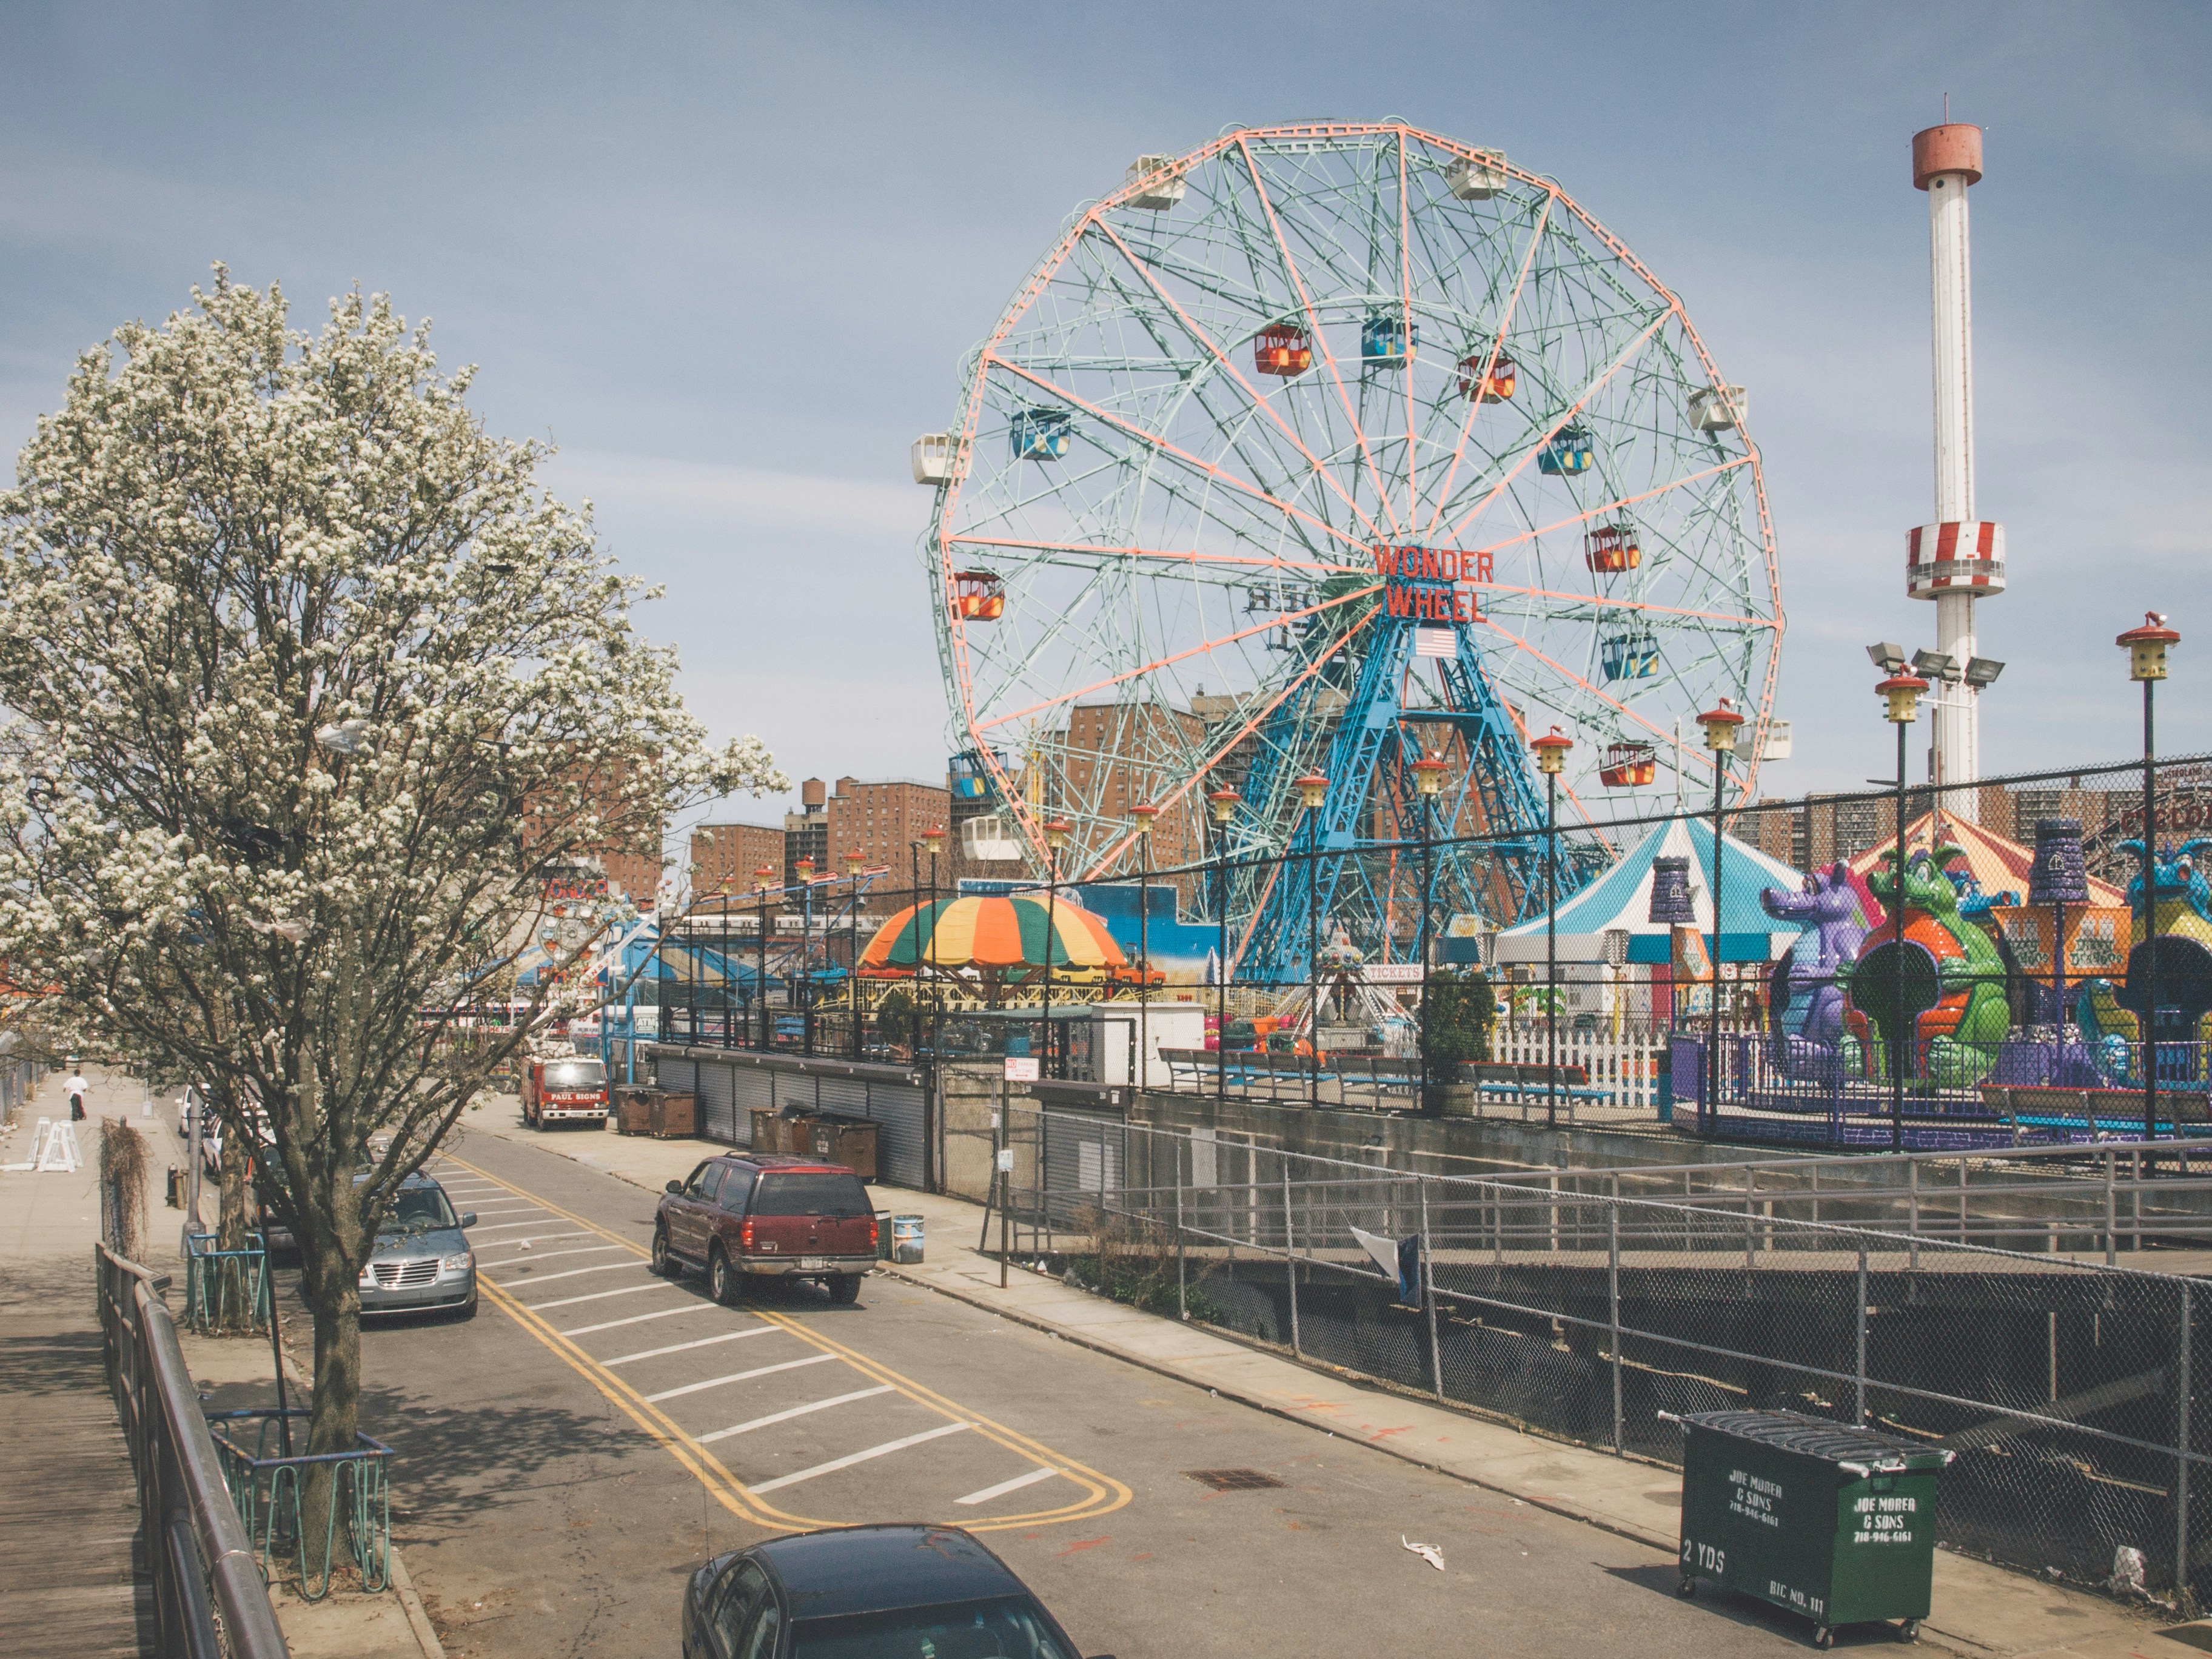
column 1435, row 642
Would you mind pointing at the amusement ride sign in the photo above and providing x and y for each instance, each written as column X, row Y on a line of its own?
column 1421, row 584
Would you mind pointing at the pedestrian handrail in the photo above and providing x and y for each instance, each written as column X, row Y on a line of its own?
column 210, row 1600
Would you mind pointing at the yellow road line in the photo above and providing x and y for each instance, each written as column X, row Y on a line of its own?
column 1102, row 1494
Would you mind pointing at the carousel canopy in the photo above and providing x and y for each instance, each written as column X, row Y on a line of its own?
column 1620, row 900
column 975, row 930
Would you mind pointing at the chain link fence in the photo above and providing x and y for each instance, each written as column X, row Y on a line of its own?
column 2066, row 1388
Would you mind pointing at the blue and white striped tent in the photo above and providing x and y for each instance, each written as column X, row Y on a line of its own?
column 1621, row 899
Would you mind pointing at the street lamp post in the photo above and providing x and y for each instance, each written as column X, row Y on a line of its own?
column 1903, row 691
column 854, row 860
column 1223, row 804
column 1056, row 838
column 1720, row 726
column 729, row 980
column 1551, row 761
column 805, row 869
column 764, row 883
column 2146, row 648
column 1145, row 813
column 1428, row 779
column 1313, row 792
column 933, row 839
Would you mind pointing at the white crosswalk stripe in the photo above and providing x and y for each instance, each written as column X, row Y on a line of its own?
column 739, row 1376
column 810, row 1406
column 600, row 1296
column 681, row 1347
column 1005, row 1486
column 846, row 1462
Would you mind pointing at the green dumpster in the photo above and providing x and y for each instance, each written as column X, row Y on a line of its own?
column 1834, row 1523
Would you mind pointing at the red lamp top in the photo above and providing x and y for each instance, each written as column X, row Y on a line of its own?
column 2154, row 631
column 1723, row 716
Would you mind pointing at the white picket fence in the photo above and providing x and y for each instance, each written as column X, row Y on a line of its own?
column 1622, row 1067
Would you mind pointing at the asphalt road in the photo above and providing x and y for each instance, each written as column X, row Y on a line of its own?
column 566, row 1459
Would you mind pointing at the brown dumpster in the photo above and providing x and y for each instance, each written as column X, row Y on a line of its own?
column 850, row 1141
column 675, row 1117
column 633, row 1114
column 768, row 1130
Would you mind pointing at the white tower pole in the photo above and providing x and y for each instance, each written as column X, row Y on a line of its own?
column 1958, row 559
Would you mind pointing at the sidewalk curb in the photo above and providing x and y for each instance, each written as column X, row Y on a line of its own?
column 418, row 1616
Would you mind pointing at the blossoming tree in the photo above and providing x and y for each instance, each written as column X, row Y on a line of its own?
column 311, row 693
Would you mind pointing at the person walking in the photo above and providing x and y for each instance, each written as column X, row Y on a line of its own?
column 75, row 1085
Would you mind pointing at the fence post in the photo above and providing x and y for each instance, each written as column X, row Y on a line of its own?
column 2181, row 1463
column 1858, row 1414
column 1289, row 1261
column 2111, row 1220
column 1428, row 1295
column 1182, row 1293
column 1613, row 1299
column 1912, row 1210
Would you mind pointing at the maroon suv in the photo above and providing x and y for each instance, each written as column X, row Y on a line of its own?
column 775, row 1217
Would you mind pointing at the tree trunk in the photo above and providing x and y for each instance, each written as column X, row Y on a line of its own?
column 335, row 1416
column 229, row 1305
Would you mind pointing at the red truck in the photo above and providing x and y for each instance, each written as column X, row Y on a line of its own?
column 767, row 1216
column 564, row 1089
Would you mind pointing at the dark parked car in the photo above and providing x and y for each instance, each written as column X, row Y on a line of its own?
column 768, row 1216
column 866, row 1593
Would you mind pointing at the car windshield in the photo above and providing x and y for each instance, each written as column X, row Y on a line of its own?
column 575, row 1074
column 834, row 1196
column 1014, row 1628
column 418, row 1210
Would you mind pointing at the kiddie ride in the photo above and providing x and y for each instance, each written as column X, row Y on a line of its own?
column 1954, row 973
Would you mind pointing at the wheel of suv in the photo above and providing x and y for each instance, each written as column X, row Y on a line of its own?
column 662, row 1263
column 845, row 1289
column 722, row 1280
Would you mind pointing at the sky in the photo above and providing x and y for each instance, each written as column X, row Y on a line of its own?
column 729, row 258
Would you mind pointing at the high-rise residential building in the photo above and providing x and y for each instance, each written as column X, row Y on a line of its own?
column 724, row 857
column 883, row 822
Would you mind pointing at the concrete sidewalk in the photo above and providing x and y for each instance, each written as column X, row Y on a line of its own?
column 1979, row 1610
column 49, row 1223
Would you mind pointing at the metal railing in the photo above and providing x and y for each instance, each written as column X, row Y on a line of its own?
column 1571, row 1304
column 226, row 1290
column 271, row 1493
column 209, row 1601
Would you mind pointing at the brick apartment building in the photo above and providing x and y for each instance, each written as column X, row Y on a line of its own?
column 727, row 855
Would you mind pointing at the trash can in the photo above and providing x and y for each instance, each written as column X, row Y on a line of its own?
column 906, row 1240
column 768, row 1130
column 850, row 1141
column 633, row 1113
column 674, row 1116
column 1834, row 1523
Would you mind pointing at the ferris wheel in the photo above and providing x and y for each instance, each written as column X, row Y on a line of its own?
column 1318, row 450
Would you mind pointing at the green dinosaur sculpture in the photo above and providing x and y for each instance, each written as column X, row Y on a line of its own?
column 1971, row 1016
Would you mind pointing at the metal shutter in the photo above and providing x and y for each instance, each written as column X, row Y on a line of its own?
column 717, row 1116
column 847, row 1096
column 752, row 1087
column 794, row 1089
column 678, row 1077
column 898, row 1109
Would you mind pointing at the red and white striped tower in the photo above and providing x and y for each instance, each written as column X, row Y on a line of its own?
column 1958, row 558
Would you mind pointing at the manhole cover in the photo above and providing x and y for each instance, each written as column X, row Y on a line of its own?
column 1234, row 1479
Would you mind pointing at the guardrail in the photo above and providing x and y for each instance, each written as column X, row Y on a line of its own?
column 209, row 1601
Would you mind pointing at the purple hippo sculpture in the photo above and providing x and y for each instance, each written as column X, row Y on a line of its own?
column 1810, row 1035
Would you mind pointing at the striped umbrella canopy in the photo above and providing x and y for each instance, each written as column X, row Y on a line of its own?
column 993, row 932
